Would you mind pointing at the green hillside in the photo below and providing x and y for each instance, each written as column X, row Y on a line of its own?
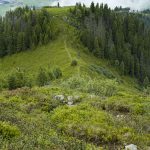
column 91, row 107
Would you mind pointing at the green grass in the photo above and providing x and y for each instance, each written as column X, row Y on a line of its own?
column 62, row 11
column 108, row 112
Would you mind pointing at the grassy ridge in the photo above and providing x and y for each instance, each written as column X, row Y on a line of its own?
column 58, row 53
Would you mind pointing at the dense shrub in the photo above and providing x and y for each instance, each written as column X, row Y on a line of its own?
column 18, row 79
column 8, row 131
column 74, row 63
column 49, row 105
column 147, row 91
column 146, row 82
column 3, row 83
column 42, row 77
column 75, row 83
column 123, row 105
column 86, row 123
column 93, row 86
column 50, row 75
column 57, row 73
column 45, row 75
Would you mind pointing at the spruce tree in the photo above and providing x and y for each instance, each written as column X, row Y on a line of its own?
column 92, row 7
column 46, row 39
column 122, row 68
column 58, row 5
column 96, row 47
column 19, row 42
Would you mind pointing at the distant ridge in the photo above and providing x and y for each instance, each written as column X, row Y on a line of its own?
column 4, row 2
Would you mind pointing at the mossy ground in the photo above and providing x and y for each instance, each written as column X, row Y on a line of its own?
column 110, row 113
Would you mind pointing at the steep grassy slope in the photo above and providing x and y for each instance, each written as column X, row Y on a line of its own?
column 108, row 111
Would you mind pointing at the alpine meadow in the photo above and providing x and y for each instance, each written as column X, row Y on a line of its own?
column 75, row 78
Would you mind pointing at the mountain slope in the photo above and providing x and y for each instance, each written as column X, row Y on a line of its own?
column 90, row 107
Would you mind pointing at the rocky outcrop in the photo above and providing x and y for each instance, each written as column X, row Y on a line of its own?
column 69, row 100
column 131, row 147
column 59, row 97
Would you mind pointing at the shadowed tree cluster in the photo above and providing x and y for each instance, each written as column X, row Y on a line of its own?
column 25, row 28
column 123, row 38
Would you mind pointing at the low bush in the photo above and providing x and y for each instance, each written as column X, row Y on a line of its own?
column 42, row 77
column 3, row 83
column 146, row 91
column 45, row 75
column 75, row 83
column 94, row 86
column 18, row 79
column 8, row 131
column 86, row 123
column 74, row 63
column 57, row 73
column 124, row 105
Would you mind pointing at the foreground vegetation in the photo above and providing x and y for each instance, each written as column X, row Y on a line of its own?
column 60, row 96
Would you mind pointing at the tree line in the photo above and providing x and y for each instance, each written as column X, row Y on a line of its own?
column 25, row 28
column 122, row 38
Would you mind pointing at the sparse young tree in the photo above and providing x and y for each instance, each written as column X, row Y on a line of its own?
column 122, row 68
column 42, row 77
column 92, row 7
column 146, row 82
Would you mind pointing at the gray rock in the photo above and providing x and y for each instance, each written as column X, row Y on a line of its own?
column 120, row 116
column 70, row 103
column 70, row 98
column 131, row 147
column 59, row 97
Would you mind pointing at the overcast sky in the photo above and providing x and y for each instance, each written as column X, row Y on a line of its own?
column 134, row 4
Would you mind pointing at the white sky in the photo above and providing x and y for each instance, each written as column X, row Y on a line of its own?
column 134, row 4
